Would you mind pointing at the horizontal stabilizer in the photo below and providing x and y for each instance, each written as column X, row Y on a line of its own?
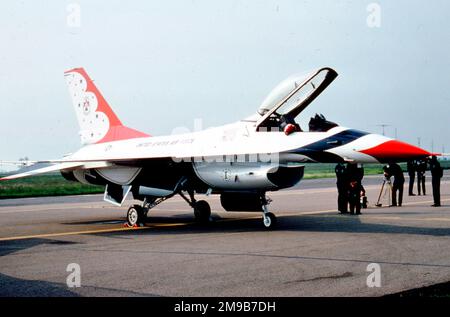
column 42, row 168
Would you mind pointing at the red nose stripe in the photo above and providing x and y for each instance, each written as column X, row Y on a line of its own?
column 396, row 150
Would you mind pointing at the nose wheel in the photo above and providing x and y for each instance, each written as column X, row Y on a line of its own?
column 269, row 219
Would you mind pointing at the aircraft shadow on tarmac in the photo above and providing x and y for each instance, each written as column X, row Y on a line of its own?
column 353, row 224
column 300, row 223
column 16, row 287
column 8, row 247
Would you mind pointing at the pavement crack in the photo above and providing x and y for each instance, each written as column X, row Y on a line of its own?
column 317, row 278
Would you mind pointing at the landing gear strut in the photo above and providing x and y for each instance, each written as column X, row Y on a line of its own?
column 138, row 214
column 202, row 210
column 269, row 218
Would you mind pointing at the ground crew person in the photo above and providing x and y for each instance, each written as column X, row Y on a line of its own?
column 399, row 180
column 421, row 168
column 436, row 175
column 341, row 183
column 355, row 172
column 355, row 191
column 411, row 167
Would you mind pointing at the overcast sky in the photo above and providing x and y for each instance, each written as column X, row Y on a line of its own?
column 162, row 64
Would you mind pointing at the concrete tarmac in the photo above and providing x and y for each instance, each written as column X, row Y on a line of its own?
column 314, row 251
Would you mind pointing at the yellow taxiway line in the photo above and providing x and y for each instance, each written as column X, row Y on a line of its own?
column 73, row 233
column 50, row 235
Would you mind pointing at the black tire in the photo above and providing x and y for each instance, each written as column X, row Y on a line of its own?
column 270, row 220
column 135, row 215
column 202, row 211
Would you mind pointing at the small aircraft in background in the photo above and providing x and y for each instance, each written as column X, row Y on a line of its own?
column 241, row 161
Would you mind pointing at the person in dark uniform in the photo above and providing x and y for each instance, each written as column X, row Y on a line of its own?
column 355, row 191
column 411, row 167
column 421, row 168
column 399, row 180
column 364, row 201
column 355, row 172
column 341, row 183
column 436, row 175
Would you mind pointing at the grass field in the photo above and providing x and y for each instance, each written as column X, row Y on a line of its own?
column 313, row 171
column 56, row 185
column 327, row 170
column 45, row 185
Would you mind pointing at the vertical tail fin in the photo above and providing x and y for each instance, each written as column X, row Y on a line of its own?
column 98, row 122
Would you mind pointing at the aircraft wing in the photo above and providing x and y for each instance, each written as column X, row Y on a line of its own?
column 41, row 168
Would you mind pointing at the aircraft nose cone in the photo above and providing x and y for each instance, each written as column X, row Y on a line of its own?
column 396, row 150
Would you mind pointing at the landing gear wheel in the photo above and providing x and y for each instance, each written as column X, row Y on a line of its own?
column 135, row 215
column 202, row 211
column 269, row 220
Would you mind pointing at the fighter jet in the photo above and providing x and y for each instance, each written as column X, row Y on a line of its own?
column 241, row 161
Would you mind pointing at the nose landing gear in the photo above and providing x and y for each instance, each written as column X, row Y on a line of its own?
column 269, row 219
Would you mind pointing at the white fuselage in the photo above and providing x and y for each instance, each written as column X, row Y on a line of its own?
column 230, row 140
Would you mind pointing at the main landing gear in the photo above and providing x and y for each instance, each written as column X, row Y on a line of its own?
column 202, row 210
column 137, row 214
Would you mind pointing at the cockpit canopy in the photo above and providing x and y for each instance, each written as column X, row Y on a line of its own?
column 289, row 98
column 281, row 91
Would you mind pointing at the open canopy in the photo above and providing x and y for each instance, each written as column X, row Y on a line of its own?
column 294, row 94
